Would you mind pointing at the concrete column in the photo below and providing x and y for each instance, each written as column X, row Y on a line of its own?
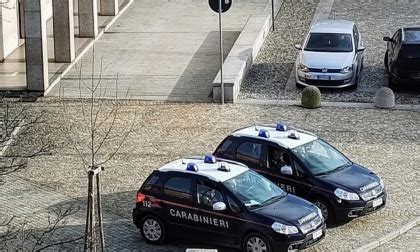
column 36, row 46
column 88, row 18
column 64, row 50
column 109, row 7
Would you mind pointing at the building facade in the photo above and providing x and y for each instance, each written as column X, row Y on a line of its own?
column 24, row 23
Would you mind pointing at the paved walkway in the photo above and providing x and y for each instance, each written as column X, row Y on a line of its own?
column 162, row 50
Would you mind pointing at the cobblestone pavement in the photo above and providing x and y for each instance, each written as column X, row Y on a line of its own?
column 386, row 141
column 376, row 19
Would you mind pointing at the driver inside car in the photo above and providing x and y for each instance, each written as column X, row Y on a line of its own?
column 279, row 160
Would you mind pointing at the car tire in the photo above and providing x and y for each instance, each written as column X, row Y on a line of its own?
column 256, row 242
column 391, row 83
column 356, row 83
column 326, row 209
column 152, row 230
column 362, row 65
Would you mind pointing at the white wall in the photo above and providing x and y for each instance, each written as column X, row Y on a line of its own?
column 9, row 30
column 9, row 25
column 47, row 11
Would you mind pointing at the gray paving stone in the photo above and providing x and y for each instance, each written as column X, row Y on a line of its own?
column 387, row 141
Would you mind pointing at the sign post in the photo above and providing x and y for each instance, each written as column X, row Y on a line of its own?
column 221, row 6
column 272, row 13
column 222, row 84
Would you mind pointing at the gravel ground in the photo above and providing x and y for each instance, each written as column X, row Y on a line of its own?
column 387, row 141
column 375, row 19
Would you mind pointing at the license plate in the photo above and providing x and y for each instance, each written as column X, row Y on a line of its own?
column 324, row 77
column 317, row 234
column 200, row 250
column 415, row 75
column 377, row 202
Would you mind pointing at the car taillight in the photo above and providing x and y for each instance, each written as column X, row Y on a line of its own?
column 140, row 197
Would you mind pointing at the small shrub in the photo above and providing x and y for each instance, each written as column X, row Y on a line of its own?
column 311, row 97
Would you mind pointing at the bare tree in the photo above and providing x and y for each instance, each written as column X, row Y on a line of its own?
column 15, row 119
column 96, row 138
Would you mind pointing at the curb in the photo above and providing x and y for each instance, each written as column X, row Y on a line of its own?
column 87, row 48
column 362, row 105
column 384, row 239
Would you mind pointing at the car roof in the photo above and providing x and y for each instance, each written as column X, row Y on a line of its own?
column 209, row 170
column 332, row 26
column 411, row 35
column 279, row 137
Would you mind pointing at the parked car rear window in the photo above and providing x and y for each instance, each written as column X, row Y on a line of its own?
column 249, row 152
column 329, row 42
column 151, row 182
column 179, row 188
column 226, row 144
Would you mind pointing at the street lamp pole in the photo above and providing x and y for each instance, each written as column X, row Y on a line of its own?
column 221, row 53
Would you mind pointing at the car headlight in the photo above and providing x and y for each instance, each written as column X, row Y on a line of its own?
column 347, row 69
column 381, row 182
column 342, row 194
column 319, row 212
column 284, row 229
column 303, row 68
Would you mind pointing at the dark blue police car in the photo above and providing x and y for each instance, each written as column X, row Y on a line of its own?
column 225, row 203
column 304, row 165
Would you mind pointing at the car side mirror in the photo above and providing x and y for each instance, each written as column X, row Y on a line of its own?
column 219, row 206
column 388, row 39
column 360, row 49
column 298, row 46
column 286, row 170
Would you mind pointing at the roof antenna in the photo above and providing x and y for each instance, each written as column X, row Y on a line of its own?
column 255, row 126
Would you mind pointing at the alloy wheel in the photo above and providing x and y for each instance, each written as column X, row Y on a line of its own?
column 256, row 244
column 152, row 230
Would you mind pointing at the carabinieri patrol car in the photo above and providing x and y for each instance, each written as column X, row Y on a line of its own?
column 225, row 203
column 307, row 166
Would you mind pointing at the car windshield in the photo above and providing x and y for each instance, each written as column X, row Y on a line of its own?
column 412, row 35
column 329, row 42
column 254, row 190
column 320, row 158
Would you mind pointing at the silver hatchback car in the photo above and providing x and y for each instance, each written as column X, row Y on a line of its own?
column 331, row 55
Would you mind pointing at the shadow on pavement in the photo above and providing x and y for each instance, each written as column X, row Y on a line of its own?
column 196, row 82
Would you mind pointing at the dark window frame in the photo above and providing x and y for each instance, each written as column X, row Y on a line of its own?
column 250, row 141
column 182, row 193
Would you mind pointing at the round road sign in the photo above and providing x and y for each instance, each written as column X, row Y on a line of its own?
column 214, row 5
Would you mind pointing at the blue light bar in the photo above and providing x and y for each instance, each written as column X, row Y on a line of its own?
column 264, row 133
column 192, row 167
column 209, row 159
column 281, row 127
